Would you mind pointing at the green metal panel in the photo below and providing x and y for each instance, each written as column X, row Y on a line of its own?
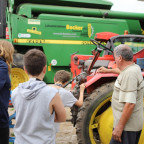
column 102, row 4
column 30, row 9
column 60, row 36
column 134, row 27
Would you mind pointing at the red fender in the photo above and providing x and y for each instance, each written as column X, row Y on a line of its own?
column 98, row 79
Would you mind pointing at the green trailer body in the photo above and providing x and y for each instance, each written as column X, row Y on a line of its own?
column 64, row 27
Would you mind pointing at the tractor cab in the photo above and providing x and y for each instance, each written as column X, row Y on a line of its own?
column 136, row 42
column 111, row 40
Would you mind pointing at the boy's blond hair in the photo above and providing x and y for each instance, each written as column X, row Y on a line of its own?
column 6, row 52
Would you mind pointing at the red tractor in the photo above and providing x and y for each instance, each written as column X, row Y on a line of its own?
column 94, row 120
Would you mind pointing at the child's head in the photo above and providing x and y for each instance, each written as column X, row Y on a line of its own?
column 62, row 76
column 34, row 62
column 6, row 51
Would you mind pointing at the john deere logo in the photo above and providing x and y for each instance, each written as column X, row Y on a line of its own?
column 75, row 27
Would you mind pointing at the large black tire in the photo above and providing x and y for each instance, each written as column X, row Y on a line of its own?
column 100, row 96
column 18, row 60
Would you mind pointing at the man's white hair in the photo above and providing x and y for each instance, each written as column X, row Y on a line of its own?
column 125, row 51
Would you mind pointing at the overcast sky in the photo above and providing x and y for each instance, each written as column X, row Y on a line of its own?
column 128, row 5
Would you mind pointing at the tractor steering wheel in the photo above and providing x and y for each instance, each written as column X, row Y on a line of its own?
column 102, row 46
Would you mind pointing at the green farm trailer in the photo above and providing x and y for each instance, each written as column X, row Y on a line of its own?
column 59, row 28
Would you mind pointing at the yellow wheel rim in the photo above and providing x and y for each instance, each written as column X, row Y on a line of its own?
column 94, row 121
column 104, row 124
column 17, row 76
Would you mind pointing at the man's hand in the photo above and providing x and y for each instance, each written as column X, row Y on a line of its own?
column 106, row 70
column 102, row 70
column 117, row 132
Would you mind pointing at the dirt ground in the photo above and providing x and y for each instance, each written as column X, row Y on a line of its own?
column 67, row 133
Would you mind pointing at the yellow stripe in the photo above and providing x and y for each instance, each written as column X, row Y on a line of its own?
column 134, row 44
column 131, row 44
column 89, row 30
column 45, row 41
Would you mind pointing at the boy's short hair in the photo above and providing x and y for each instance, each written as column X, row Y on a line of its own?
column 34, row 61
column 62, row 76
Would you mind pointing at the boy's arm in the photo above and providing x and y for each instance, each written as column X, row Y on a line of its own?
column 79, row 102
column 105, row 70
column 57, row 105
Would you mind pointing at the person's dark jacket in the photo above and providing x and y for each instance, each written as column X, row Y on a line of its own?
column 4, row 94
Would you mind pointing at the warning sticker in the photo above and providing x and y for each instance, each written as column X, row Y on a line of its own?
column 53, row 62
column 34, row 21
column 22, row 35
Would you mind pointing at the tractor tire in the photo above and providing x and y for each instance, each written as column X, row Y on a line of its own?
column 18, row 75
column 88, row 127
column 74, row 108
column 18, row 60
column 95, row 119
